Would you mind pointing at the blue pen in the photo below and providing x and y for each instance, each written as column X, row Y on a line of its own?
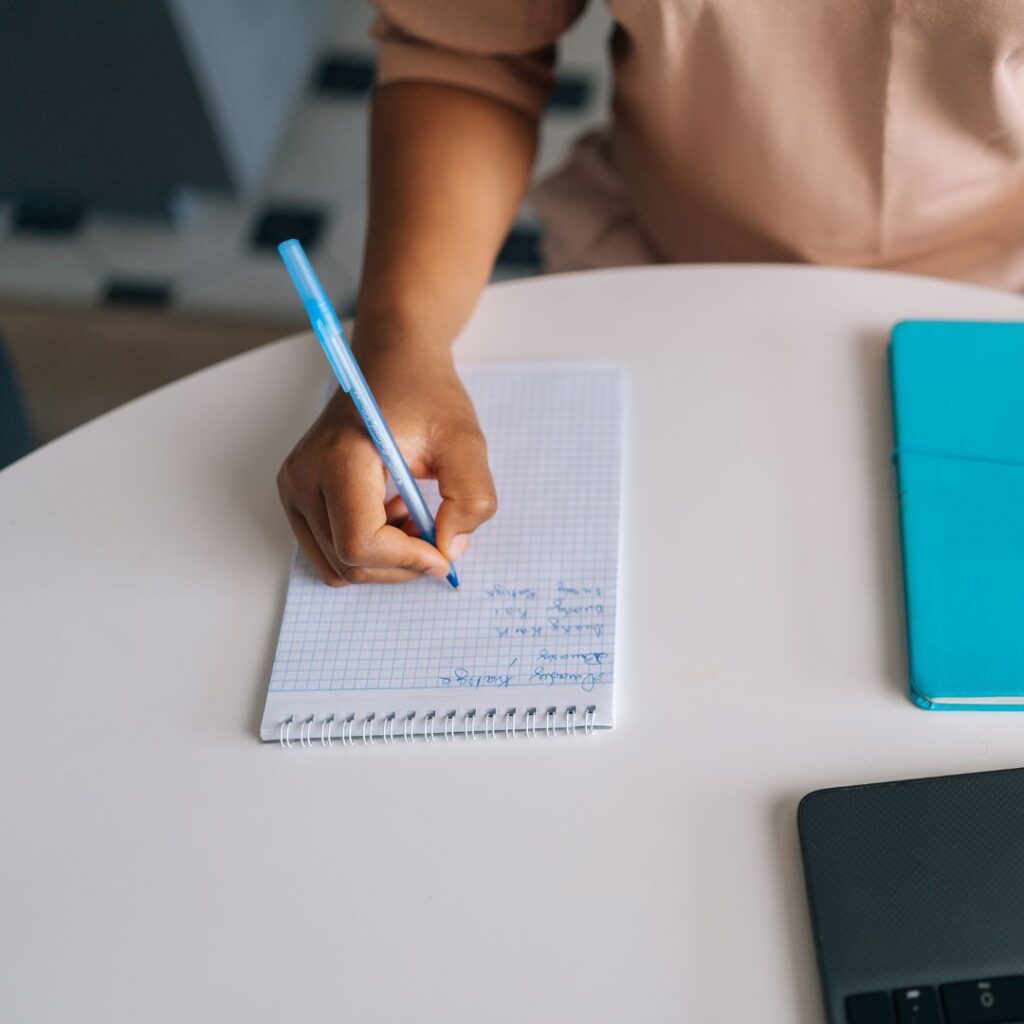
column 332, row 339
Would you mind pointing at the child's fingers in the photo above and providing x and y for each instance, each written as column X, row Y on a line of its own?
column 467, row 492
column 359, row 529
column 335, row 499
column 337, row 574
column 349, row 574
column 395, row 511
column 312, row 549
column 359, row 574
column 398, row 515
column 308, row 519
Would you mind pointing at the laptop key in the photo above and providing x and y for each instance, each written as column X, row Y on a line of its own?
column 917, row 1006
column 989, row 1001
column 870, row 1008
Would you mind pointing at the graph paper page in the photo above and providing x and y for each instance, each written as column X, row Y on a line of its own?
column 533, row 622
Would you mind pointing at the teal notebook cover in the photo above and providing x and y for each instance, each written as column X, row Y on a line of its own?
column 958, row 408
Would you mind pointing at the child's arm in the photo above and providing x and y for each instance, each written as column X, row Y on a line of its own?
column 448, row 168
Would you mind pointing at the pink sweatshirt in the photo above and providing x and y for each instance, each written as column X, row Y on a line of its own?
column 878, row 133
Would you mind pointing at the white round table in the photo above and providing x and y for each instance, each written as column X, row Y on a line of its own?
column 158, row 863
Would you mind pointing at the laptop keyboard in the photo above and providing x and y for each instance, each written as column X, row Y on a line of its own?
column 990, row 1001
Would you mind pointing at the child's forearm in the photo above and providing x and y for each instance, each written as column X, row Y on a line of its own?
column 448, row 168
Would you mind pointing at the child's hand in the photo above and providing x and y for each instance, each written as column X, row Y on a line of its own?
column 332, row 485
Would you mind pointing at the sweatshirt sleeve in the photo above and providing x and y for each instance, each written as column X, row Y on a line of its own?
column 504, row 49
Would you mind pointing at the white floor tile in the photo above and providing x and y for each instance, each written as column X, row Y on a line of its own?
column 46, row 270
column 209, row 232
column 259, row 286
column 323, row 154
column 586, row 42
column 344, row 241
column 349, row 26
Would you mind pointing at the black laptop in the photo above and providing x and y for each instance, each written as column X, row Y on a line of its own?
column 916, row 893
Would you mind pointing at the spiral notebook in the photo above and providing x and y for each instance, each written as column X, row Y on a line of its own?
column 526, row 646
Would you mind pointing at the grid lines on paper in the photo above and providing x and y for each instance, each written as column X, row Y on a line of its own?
column 536, row 607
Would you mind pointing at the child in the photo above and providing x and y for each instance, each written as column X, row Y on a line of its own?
column 868, row 133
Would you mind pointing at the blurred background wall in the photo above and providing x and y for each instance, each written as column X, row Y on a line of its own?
column 153, row 153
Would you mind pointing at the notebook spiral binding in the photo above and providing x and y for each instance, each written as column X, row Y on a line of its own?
column 349, row 730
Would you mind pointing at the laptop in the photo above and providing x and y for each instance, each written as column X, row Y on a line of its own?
column 916, row 894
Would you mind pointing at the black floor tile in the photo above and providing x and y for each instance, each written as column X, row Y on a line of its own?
column 153, row 294
column 43, row 217
column 572, row 93
column 521, row 248
column 345, row 74
column 276, row 224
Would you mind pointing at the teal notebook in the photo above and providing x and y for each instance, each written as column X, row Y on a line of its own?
column 958, row 404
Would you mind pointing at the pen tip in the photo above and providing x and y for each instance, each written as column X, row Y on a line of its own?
column 453, row 580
